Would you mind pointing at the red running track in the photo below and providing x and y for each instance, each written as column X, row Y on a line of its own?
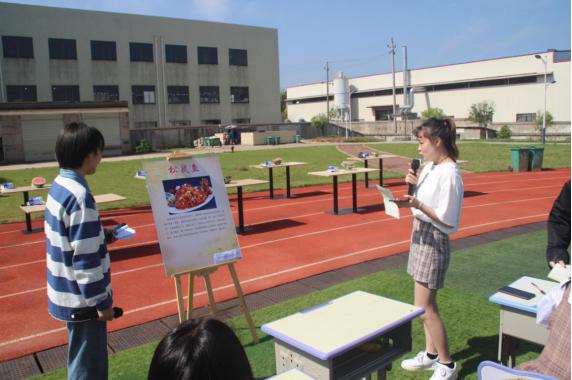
column 289, row 239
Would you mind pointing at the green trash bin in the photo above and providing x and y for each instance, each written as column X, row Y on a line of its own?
column 215, row 141
column 519, row 157
column 269, row 140
column 297, row 139
column 207, row 141
column 276, row 140
column 536, row 156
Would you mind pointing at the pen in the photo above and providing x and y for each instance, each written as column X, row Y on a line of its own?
column 538, row 287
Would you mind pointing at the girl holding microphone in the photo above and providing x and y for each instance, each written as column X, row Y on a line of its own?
column 436, row 207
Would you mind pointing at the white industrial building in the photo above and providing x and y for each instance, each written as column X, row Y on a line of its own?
column 514, row 84
column 172, row 72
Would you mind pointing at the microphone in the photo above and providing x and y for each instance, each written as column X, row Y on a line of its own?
column 415, row 166
column 91, row 314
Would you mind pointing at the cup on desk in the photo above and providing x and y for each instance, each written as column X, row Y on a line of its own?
column 332, row 168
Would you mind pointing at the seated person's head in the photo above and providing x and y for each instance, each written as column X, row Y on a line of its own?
column 78, row 144
column 202, row 348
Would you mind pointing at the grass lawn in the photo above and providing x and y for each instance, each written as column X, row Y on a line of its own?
column 471, row 320
column 117, row 177
column 489, row 157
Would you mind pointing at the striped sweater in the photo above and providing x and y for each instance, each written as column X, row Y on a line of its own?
column 78, row 270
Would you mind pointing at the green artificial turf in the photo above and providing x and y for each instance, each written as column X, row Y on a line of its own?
column 488, row 157
column 471, row 320
column 118, row 176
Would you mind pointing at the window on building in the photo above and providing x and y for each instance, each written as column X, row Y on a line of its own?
column 61, row 48
column 237, row 57
column 241, row 121
column 523, row 80
column 65, row 93
column 209, row 94
column 525, row 117
column 178, row 94
column 207, row 55
column 239, row 94
column 561, row 55
column 21, row 93
column 145, row 124
column 211, row 121
column 106, row 93
column 18, row 47
column 141, row 52
column 176, row 53
column 143, row 94
column 103, row 51
column 383, row 112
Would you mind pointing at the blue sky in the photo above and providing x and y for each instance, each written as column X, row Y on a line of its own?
column 353, row 35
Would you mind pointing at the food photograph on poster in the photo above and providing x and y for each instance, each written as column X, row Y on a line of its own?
column 184, row 195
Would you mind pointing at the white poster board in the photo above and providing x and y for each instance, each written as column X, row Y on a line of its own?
column 192, row 213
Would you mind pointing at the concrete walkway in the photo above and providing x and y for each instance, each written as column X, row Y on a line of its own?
column 55, row 358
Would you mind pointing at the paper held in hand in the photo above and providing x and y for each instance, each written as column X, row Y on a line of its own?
column 391, row 207
column 559, row 273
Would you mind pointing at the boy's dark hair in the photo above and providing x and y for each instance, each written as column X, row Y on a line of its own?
column 444, row 129
column 202, row 348
column 75, row 142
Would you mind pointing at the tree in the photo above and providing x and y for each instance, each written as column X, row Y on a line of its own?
column 482, row 113
column 283, row 109
column 320, row 121
column 538, row 121
column 436, row 113
column 504, row 132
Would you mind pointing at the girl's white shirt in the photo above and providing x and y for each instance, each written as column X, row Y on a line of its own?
column 441, row 188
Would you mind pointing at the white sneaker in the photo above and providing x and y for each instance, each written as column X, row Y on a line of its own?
column 442, row 372
column 420, row 362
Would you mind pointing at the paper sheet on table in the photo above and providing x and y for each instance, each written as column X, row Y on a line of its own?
column 391, row 208
column 559, row 273
column 125, row 232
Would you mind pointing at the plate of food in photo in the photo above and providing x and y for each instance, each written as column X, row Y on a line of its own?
column 186, row 197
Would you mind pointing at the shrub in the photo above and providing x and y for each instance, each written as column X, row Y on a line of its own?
column 504, row 132
column 143, row 147
column 436, row 113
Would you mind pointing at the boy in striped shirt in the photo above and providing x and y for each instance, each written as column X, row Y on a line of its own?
column 78, row 267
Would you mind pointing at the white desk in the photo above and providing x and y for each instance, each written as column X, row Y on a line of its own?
column 270, row 168
column 366, row 165
column 517, row 320
column 335, row 174
column 325, row 342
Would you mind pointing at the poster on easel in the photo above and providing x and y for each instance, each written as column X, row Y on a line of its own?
column 192, row 213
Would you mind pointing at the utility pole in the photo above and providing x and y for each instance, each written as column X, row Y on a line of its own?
column 391, row 48
column 327, row 68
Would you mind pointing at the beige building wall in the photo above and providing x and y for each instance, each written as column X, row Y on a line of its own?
column 509, row 100
column 40, row 23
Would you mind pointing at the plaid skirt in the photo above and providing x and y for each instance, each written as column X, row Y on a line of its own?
column 429, row 254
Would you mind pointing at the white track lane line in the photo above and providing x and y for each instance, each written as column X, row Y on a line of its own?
column 342, row 187
column 373, row 194
column 255, row 279
column 115, row 274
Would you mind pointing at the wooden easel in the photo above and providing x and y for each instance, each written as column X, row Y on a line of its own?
column 205, row 273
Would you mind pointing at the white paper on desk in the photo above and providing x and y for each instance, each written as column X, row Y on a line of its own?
column 391, row 207
column 559, row 273
column 125, row 232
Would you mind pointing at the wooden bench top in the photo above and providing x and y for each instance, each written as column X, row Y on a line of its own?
column 283, row 164
column 244, row 182
column 24, row 189
column 339, row 172
column 102, row 198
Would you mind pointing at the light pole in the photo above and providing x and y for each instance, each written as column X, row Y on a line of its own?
column 538, row 56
